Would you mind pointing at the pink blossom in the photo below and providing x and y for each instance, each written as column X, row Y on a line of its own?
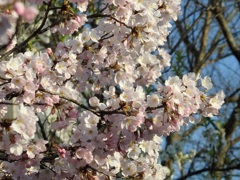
column 217, row 100
column 55, row 98
column 153, row 100
column 84, row 154
column 29, row 14
column 94, row 101
column 129, row 168
column 19, row 7
column 73, row 113
column 62, row 152
column 16, row 149
column 48, row 101
column 28, row 97
column 58, row 125
column 30, row 87
column 18, row 82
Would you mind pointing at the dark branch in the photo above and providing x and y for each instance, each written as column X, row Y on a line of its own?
column 209, row 169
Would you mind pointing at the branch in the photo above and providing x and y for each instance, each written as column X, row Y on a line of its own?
column 204, row 40
column 232, row 122
column 70, row 100
column 217, row 10
column 209, row 169
column 49, row 158
column 185, row 34
column 232, row 97
column 234, row 141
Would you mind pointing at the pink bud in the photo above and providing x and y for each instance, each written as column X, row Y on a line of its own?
column 63, row 155
column 30, row 13
column 28, row 164
column 73, row 113
column 60, row 150
column 49, row 51
column 78, row 19
column 55, row 98
column 63, row 151
column 19, row 8
column 48, row 101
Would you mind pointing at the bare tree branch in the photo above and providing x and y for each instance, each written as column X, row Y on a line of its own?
column 209, row 169
column 223, row 23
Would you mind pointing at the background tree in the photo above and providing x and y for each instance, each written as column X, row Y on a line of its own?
column 205, row 40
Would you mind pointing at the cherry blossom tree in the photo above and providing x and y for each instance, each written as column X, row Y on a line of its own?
column 77, row 75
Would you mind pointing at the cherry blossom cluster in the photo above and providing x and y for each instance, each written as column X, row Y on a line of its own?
column 93, row 87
